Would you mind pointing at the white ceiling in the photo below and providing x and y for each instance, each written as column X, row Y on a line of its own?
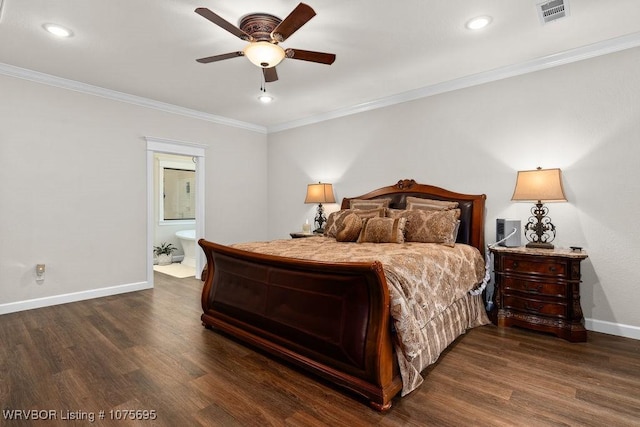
column 148, row 48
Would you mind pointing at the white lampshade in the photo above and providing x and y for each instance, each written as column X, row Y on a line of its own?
column 544, row 185
column 264, row 54
column 320, row 193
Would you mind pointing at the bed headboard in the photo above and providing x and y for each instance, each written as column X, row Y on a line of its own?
column 471, row 206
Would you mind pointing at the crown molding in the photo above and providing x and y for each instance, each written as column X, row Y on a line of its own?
column 573, row 55
column 567, row 57
column 48, row 79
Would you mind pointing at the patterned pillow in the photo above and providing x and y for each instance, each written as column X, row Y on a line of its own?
column 382, row 230
column 414, row 203
column 350, row 228
column 369, row 213
column 369, row 204
column 395, row 213
column 428, row 226
column 335, row 219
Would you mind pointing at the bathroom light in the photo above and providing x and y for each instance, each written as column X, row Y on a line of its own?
column 478, row 22
column 58, row 30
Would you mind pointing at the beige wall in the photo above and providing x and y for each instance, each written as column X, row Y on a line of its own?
column 73, row 168
column 74, row 188
column 582, row 117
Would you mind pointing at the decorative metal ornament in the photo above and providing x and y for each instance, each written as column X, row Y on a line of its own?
column 320, row 220
column 259, row 25
column 539, row 230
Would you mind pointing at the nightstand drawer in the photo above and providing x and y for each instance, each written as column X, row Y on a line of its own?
column 534, row 288
column 533, row 306
column 530, row 266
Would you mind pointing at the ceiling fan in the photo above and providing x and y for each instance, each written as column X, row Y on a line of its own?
column 264, row 32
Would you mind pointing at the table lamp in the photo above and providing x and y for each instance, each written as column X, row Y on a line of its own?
column 539, row 186
column 320, row 193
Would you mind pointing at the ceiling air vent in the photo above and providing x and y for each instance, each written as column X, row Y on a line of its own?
column 553, row 10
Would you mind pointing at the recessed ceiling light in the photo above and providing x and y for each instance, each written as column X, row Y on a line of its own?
column 479, row 22
column 265, row 99
column 58, row 30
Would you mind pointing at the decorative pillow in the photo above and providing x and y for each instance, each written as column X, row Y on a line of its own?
column 429, row 226
column 382, row 230
column 414, row 203
column 335, row 219
column 350, row 228
column 369, row 204
column 394, row 213
column 369, row 213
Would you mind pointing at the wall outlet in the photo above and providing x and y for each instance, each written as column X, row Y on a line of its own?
column 40, row 269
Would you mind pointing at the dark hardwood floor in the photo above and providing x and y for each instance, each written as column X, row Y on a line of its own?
column 148, row 351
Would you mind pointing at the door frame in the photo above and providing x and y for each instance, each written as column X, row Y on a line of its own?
column 197, row 151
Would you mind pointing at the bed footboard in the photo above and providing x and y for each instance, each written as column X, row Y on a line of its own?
column 329, row 318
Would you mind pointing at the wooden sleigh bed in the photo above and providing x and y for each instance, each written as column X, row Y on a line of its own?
column 330, row 318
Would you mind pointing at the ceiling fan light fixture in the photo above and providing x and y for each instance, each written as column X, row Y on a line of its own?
column 264, row 54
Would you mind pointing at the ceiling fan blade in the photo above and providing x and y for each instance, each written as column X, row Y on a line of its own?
column 270, row 74
column 296, row 19
column 308, row 55
column 222, row 23
column 220, row 57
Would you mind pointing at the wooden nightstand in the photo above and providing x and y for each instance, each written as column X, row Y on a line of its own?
column 540, row 289
column 300, row 234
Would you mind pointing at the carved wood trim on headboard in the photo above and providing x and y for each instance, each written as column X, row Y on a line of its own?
column 405, row 183
column 471, row 205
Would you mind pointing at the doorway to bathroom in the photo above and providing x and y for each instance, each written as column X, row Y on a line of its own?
column 175, row 192
column 175, row 216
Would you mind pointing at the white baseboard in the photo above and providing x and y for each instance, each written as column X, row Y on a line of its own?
column 611, row 328
column 13, row 307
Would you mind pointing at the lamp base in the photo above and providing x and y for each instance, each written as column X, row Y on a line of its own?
column 539, row 231
column 539, row 245
column 320, row 220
